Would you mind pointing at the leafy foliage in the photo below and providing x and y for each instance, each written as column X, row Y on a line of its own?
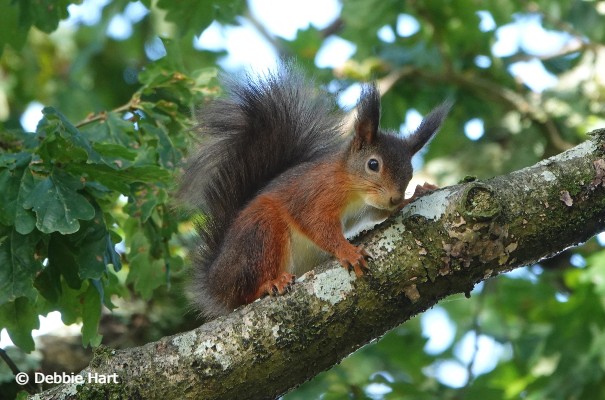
column 71, row 191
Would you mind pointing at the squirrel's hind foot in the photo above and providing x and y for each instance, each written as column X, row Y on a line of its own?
column 278, row 286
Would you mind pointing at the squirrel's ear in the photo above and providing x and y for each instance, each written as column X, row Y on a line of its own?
column 428, row 127
column 368, row 116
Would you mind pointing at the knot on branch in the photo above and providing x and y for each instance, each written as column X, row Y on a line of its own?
column 479, row 203
column 478, row 235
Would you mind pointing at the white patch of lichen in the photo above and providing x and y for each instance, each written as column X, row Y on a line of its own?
column 70, row 390
column 185, row 342
column 387, row 240
column 333, row 285
column 171, row 359
column 248, row 323
column 431, row 206
column 213, row 352
column 580, row 150
column 548, row 176
column 275, row 330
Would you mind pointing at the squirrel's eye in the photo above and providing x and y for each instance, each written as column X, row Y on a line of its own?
column 373, row 164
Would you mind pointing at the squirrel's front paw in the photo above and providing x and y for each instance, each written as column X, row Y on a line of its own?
column 424, row 189
column 354, row 257
column 278, row 286
column 418, row 192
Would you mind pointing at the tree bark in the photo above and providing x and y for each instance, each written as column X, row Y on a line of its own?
column 443, row 243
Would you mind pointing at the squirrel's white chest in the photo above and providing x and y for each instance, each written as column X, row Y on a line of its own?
column 306, row 255
column 359, row 216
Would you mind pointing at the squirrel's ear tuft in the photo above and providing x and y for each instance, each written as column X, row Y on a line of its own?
column 368, row 116
column 429, row 127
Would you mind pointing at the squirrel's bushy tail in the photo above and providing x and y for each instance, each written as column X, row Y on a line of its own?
column 264, row 126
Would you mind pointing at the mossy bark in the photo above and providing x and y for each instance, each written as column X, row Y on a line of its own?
column 441, row 244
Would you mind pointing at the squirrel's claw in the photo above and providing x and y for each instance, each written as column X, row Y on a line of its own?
column 278, row 286
column 365, row 253
column 355, row 258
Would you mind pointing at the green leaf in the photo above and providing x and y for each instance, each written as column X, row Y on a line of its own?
column 91, row 315
column 57, row 204
column 48, row 284
column 18, row 265
column 111, row 256
column 143, row 200
column 16, row 182
column 25, row 220
column 114, row 155
column 22, row 395
column 84, row 254
column 19, row 317
column 176, row 77
column 114, row 129
column 195, row 16
column 43, row 14
column 120, row 180
column 91, row 245
column 307, row 43
column 375, row 14
column 70, row 303
column 113, row 286
column 62, row 261
column 62, row 141
column 595, row 273
column 82, row 305
column 169, row 155
column 146, row 273
column 11, row 32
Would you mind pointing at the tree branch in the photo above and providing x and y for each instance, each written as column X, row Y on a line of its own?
column 132, row 105
column 441, row 244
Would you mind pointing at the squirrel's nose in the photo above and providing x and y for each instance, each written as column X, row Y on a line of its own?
column 396, row 200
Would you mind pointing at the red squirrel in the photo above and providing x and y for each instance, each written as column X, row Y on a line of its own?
column 280, row 186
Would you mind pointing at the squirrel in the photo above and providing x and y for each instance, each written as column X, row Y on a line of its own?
column 280, row 187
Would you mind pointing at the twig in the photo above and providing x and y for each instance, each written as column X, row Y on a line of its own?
column 14, row 369
column 559, row 24
column 260, row 28
column 384, row 85
column 333, row 28
column 568, row 50
column 102, row 116
column 523, row 106
column 30, row 387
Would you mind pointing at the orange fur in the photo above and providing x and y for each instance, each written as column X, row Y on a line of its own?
column 276, row 213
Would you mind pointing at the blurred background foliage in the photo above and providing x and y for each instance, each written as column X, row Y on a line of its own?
column 96, row 110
